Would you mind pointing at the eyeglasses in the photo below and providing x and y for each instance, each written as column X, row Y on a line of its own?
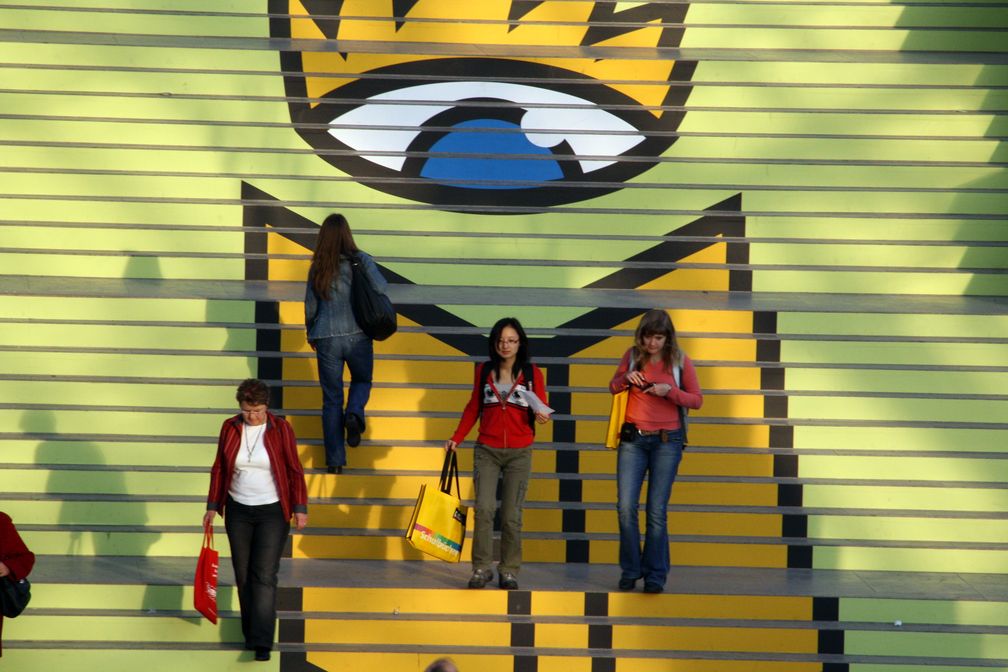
column 508, row 342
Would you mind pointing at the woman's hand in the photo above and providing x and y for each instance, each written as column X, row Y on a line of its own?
column 311, row 344
column 208, row 518
column 542, row 418
column 450, row 445
column 659, row 389
column 636, row 378
column 300, row 520
column 4, row 570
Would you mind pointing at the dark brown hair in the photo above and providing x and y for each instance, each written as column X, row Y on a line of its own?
column 521, row 356
column 334, row 239
column 253, row 392
column 656, row 322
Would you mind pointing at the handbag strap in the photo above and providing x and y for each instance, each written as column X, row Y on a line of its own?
column 448, row 470
column 208, row 536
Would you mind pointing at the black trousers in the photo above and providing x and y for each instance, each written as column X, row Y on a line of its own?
column 257, row 535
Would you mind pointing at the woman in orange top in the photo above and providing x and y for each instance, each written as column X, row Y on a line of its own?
column 662, row 384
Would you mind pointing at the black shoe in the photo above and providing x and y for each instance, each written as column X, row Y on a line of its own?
column 334, row 470
column 479, row 578
column 508, row 581
column 627, row 584
column 653, row 588
column 262, row 653
column 354, row 426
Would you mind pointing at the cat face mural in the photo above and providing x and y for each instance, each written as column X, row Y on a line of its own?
column 480, row 126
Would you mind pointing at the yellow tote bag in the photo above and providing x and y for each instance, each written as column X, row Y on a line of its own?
column 617, row 416
column 438, row 524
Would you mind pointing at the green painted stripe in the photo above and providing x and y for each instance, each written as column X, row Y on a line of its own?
column 960, row 354
column 117, row 394
column 926, row 646
column 153, row 453
column 976, row 326
column 900, row 438
column 152, row 659
column 883, row 528
column 120, row 544
column 935, row 612
column 831, row 176
column 949, row 228
column 867, row 380
column 182, row 241
column 124, row 309
column 82, row 266
column 896, row 409
column 884, row 256
column 846, row 99
column 123, row 22
column 927, row 74
column 880, row 15
column 909, row 284
column 128, row 629
column 131, row 513
column 128, row 336
column 924, row 498
column 841, row 39
column 105, row 482
column 910, row 468
column 908, row 559
column 42, row 208
column 98, row 596
column 221, row 366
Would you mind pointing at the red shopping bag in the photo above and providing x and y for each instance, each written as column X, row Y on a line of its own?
column 205, row 582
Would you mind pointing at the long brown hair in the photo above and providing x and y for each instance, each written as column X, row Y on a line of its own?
column 334, row 239
column 656, row 322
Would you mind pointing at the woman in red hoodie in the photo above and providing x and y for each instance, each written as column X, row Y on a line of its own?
column 16, row 561
column 501, row 402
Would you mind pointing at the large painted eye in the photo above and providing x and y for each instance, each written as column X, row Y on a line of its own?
column 522, row 138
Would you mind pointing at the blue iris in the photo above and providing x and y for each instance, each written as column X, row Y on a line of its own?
column 500, row 167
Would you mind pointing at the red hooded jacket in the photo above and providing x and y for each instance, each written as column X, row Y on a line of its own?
column 501, row 424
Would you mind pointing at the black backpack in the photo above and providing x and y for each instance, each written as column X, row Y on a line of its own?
column 528, row 377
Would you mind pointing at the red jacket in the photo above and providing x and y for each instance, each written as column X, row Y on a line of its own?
column 13, row 553
column 281, row 446
column 502, row 424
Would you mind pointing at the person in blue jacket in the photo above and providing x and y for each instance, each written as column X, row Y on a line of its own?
column 337, row 339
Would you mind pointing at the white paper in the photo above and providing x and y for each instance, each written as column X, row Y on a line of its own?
column 534, row 402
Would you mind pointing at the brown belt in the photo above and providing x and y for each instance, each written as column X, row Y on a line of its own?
column 663, row 434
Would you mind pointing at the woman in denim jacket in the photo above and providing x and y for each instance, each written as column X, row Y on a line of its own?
column 336, row 338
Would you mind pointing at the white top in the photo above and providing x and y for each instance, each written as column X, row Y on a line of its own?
column 252, row 481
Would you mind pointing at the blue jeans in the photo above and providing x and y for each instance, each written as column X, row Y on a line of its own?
column 357, row 351
column 661, row 463
column 257, row 535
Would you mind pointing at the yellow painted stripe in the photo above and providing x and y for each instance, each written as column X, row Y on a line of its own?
column 776, row 640
column 425, row 632
column 355, row 661
column 406, row 600
column 673, row 665
column 752, row 607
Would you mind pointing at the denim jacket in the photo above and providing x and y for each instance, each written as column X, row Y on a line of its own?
column 324, row 319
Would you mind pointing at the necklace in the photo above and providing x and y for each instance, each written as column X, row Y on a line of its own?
column 250, row 447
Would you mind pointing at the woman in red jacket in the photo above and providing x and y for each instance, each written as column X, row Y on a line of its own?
column 16, row 561
column 501, row 402
column 257, row 484
column 662, row 384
